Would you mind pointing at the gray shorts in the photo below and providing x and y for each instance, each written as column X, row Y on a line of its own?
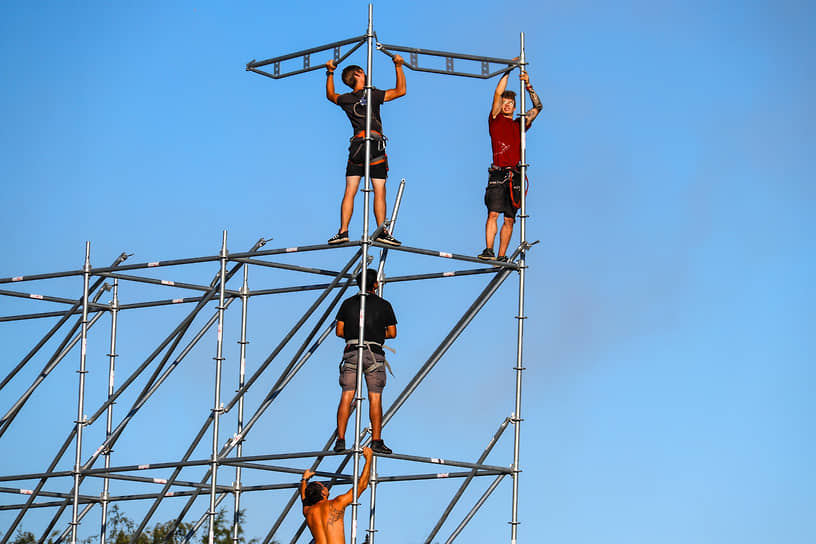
column 375, row 380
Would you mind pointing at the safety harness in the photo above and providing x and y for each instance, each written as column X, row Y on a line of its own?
column 376, row 365
column 357, row 148
column 507, row 178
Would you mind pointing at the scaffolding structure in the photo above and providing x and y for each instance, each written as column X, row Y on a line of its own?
column 210, row 299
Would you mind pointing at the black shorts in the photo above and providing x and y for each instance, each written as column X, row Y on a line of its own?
column 497, row 193
column 377, row 156
column 376, row 171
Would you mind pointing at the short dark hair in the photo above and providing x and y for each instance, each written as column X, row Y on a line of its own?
column 371, row 279
column 348, row 73
column 510, row 94
column 313, row 493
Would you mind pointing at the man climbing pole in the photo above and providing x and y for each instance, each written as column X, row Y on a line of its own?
column 380, row 324
column 354, row 104
column 504, row 185
column 323, row 516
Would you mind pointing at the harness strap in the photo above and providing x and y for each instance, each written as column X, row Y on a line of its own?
column 380, row 141
column 374, row 133
column 493, row 168
column 508, row 172
column 376, row 365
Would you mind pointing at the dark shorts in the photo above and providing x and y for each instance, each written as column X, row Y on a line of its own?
column 374, row 380
column 378, row 158
column 497, row 194
column 376, row 171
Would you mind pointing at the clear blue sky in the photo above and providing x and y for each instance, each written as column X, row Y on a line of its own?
column 669, row 344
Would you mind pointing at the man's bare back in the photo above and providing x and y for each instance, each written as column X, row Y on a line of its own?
column 323, row 516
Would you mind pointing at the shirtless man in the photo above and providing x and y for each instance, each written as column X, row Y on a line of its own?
column 324, row 516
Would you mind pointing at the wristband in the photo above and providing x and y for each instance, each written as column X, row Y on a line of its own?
column 329, row 73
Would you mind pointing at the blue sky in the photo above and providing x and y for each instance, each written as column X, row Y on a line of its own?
column 668, row 392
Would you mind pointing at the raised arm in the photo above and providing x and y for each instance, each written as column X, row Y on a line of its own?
column 497, row 98
column 303, row 481
column 537, row 107
column 331, row 96
column 345, row 499
column 400, row 89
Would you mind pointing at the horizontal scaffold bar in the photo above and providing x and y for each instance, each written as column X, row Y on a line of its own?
column 342, row 480
column 253, row 65
column 412, row 62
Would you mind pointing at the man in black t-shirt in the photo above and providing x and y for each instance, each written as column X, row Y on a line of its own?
column 380, row 323
column 354, row 104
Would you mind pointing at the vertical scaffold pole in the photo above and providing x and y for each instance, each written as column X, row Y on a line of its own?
column 80, row 420
column 366, row 244
column 372, row 483
column 517, row 419
column 241, row 378
column 391, row 227
column 217, row 396
column 114, row 309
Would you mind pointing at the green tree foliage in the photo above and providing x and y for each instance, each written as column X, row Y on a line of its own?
column 121, row 528
column 26, row 537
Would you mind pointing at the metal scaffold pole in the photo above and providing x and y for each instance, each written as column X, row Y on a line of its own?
column 80, row 420
column 109, row 421
column 519, row 368
column 358, row 398
column 372, row 483
column 217, row 408
column 239, row 448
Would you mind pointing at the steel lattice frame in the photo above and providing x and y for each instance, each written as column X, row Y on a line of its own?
column 74, row 322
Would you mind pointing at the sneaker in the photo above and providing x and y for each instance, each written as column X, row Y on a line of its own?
column 502, row 258
column 386, row 238
column 487, row 255
column 378, row 446
column 339, row 238
column 340, row 445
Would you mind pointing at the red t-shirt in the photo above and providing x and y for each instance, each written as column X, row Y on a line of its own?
column 505, row 137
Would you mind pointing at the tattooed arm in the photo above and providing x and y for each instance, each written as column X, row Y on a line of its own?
column 537, row 107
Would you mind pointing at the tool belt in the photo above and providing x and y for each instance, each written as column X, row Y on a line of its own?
column 357, row 145
column 371, row 367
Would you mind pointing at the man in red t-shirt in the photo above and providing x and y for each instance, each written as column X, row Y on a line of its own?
column 505, row 138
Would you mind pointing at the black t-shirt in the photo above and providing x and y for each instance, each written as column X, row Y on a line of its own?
column 378, row 316
column 354, row 104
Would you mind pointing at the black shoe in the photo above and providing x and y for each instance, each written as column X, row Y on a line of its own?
column 378, row 446
column 339, row 238
column 340, row 445
column 501, row 258
column 386, row 238
column 487, row 255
